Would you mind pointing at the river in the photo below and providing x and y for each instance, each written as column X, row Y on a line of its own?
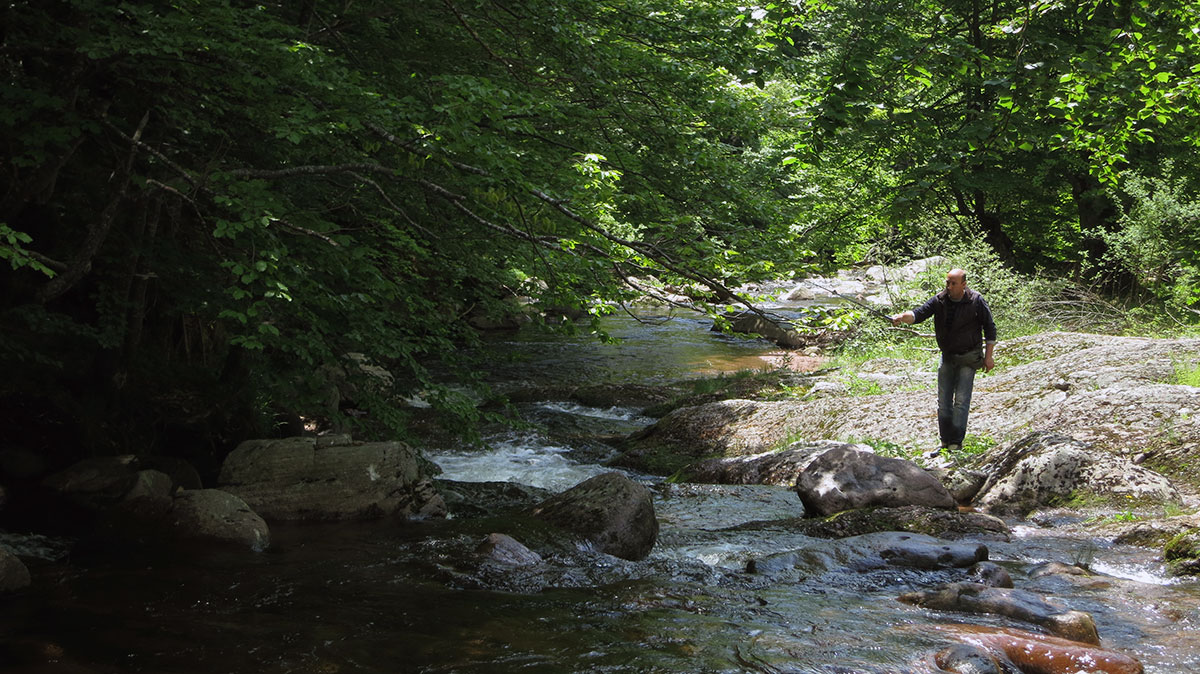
column 394, row 596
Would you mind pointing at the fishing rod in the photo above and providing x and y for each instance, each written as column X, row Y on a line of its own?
column 870, row 309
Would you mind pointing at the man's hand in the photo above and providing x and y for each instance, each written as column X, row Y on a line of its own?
column 906, row 317
column 988, row 363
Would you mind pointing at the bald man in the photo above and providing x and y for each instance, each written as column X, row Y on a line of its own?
column 966, row 336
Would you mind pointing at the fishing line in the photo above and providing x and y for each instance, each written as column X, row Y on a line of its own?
column 851, row 300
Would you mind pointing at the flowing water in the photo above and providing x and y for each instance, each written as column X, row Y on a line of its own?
column 405, row 597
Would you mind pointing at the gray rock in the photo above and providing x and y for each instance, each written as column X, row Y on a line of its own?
column 141, row 516
column 776, row 331
column 781, row 468
column 845, row 478
column 1044, row 467
column 306, row 479
column 873, row 551
column 969, row 659
column 13, row 573
column 150, row 484
column 990, row 574
column 937, row 522
column 212, row 515
column 96, row 482
column 504, row 549
column 1149, row 533
column 611, row 511
column 963, row 484
column 1011, row 603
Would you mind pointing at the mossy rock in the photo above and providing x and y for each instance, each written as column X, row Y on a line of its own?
column 1182, row 554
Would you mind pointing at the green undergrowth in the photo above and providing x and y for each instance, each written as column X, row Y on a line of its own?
column 973, row 447
column 1187, row 373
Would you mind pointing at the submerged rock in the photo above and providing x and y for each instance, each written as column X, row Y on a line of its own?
column 504, row 549
column 1031, row 652
column 873, row 551
column 1008, row 602
column 779, row 332
column 611, row 511
column 968, row 659
column 845, row 478
column 990, row 574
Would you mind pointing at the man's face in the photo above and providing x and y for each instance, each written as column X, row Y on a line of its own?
column 955, row 285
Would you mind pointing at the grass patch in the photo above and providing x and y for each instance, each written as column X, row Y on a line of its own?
column 973, row 447
column 889, row 448
column 861, row 386
column 1187, row 374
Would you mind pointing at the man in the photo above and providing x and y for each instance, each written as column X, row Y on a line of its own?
column 966, row 336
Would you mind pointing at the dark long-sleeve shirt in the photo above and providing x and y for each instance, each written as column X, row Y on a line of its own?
column 959, row 326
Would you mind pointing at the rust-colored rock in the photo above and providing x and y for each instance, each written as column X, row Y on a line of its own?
column 1042, row 654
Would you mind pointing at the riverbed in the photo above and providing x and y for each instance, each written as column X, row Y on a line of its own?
column 402, row 596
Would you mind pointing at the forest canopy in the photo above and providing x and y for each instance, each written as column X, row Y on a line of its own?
column 214, row 213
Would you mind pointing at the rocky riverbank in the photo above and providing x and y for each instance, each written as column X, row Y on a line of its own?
column 1086, row 433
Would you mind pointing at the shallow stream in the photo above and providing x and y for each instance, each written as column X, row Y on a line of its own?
column 394, row 596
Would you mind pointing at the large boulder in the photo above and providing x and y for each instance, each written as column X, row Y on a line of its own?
column 127, row 502
column 1045, row 468
column 610, row 510
column 333, row 478
column 845, row 478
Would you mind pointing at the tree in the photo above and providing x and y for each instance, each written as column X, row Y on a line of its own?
column 1003, row 117
column 210, row 206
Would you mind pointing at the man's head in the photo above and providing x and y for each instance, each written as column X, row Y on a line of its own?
column 956, row 284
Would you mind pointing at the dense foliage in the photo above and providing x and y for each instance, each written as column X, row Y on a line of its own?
column 217, row 213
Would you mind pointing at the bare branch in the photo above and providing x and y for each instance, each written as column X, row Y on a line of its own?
column 81, row 264
column 308, row 232
column 315, row 169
